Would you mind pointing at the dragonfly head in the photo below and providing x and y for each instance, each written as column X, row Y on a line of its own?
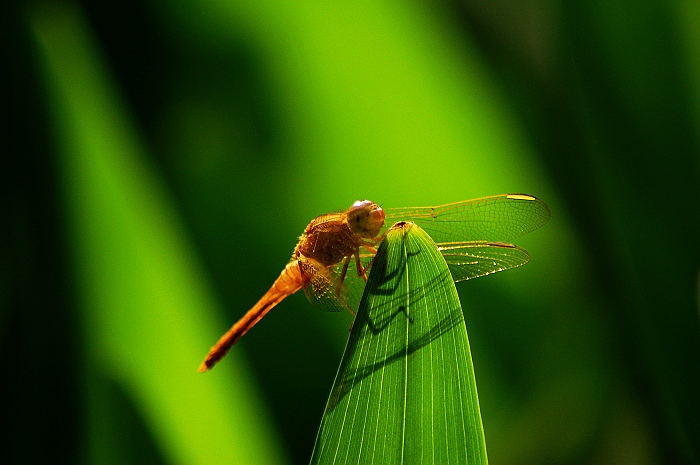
column 366, row 218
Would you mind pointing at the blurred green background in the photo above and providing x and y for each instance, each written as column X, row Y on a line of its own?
column 159, row 160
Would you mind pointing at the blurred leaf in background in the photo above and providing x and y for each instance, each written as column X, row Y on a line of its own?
column 241, row 121
column 141, row 293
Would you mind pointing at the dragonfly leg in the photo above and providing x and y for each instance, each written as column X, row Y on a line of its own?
column 370, row 249
column 349, row 310
column 339, row 284
column 360, row 269
column 345, row 269
column 369, row 265
column 370, row 246
column 341, row 278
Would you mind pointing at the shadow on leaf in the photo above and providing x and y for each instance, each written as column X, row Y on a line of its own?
column 395, row 313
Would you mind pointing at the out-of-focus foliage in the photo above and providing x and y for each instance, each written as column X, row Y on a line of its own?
column 139, row 286
column 159, row 160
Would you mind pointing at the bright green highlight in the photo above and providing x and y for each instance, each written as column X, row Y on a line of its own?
column 405, row 391
column 148, row 314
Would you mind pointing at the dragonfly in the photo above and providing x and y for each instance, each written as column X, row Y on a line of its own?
column 335, row 253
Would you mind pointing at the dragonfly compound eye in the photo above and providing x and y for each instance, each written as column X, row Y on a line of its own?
column 365, row 218
column 357, row 219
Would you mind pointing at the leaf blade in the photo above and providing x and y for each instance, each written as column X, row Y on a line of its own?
column 405, row 390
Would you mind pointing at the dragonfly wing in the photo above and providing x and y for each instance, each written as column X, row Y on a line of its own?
column 328, row 302
column 468, row 260
column 354, row 284
column 499, row 218
column 322, row 286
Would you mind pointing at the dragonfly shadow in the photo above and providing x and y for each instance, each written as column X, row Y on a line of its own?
column 388, row 285
column 398, row 324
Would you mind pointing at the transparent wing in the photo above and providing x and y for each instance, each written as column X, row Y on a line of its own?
column 472, row 236
column 468, row 260
column 321, row 286
column 499, row 218
column 354, row 283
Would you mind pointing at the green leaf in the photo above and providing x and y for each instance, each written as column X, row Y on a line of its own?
column 405, row 390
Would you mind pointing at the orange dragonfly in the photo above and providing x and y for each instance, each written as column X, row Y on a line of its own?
column 336, row 250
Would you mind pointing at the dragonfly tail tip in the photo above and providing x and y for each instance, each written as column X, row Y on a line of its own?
column 203, row 368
